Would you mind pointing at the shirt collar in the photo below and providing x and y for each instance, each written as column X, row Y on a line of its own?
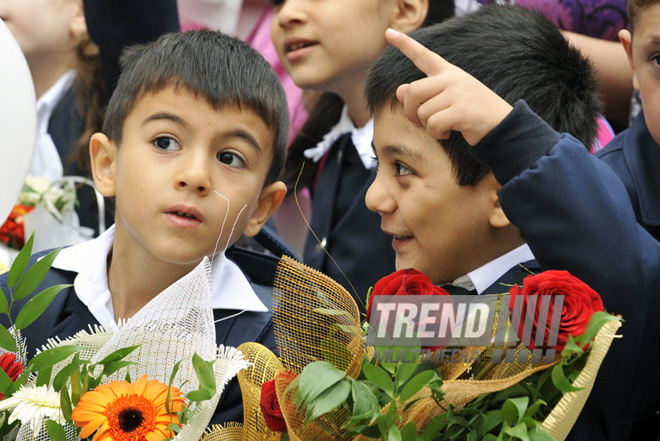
column 230, row 288
column 484, row 276
column 360, row 136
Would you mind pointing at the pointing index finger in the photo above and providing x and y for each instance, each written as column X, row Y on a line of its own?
column 428, row 62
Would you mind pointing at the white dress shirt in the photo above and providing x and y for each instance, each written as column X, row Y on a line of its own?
column 484, row 276
column 230, row 288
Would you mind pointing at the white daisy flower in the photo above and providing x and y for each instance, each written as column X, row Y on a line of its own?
column 31, row 404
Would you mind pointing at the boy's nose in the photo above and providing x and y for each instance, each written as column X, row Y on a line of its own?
column 289, row 13
column 194, row 175
column 378, row 198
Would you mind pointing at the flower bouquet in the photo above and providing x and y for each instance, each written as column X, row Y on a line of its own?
column 328, row 383
column 158, row 376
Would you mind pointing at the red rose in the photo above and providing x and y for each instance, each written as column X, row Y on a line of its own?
column 270, row 408
column 580, row 302
column 406, row 282
column 12, row 231
column 12, row 367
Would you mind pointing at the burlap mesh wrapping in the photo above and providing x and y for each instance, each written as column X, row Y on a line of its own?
column 172, row 327
column 309, row 307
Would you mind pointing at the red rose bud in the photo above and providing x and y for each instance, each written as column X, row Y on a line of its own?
column 11, row 367
column 579, row 304
column 270, row 408
column 406, row 282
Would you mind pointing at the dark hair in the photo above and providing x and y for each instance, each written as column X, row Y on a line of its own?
column 327, row 110
column 635, row 8
column 514, row 51
column 223, row 69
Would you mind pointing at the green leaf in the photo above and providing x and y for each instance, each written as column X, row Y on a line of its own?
column 117, row 355
column 55, row 430
column 597, row 320
column 394, row 434
column 404, row 371
column 514, row 409
column 65, row 404
column 7, row 339
column 66, row 372
column 560, row 381
column 538, row 434
column 379, row 377
column 4, row 306
column 534, row 408
column 315, row 378
column 409, row 432
column 52, row 356
column 35, row 275
column 36, row 305
column 20, row 263
column 365, row 403
column 76, row 388
column 334, row 312
column 175, row 369
column 5, row 382
column 199, row 395
column 415, row 385
column 328, row 400
column 43, row 376
column 114, row 366
column 518, row 431
column 205, row 373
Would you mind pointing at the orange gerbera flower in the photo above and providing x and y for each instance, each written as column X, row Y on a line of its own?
column 123, row 411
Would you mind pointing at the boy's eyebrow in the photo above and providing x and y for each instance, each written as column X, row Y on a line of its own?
column 164, row 115
column 402, row 150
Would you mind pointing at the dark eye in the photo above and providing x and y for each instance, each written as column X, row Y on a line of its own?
column 166, row 143
column 402, row 170
column 656, row 60
column 277, row 2
column 231, row 159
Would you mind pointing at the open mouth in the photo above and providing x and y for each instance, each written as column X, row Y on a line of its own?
column 186, row 215
column 298, row 45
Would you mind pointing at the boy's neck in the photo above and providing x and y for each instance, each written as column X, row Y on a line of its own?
column 135, row 278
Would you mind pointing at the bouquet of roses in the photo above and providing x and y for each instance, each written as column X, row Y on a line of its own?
column 328, row 383
column 158, row 376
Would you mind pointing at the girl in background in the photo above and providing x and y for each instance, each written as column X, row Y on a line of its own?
column 328, row 46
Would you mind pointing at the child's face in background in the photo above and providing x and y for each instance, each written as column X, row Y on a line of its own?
column 644, row 55
column 437, row 226
column 329, row 44
column 43, row 28
column 187, row 176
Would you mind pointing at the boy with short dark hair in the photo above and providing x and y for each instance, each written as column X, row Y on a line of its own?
column 437, row 201
column 194, row 139
column 634, row 154
column 575, row 215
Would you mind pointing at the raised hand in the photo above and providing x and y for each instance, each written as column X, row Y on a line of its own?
column 448, row 98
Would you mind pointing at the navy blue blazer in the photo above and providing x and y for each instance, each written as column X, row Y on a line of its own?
column 347, row 229
column 67, row 314
column 575, row 215
column 635, row 158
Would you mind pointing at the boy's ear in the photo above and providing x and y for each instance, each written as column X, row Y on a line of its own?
column 78, row 25
column 270, row 199
column 102, row 154
column 626, row 40
column 497, row 218
column 409, row 15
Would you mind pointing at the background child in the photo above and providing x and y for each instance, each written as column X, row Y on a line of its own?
column 193, row 140
column 634, row 154
column 558, row 195
column 328, row 46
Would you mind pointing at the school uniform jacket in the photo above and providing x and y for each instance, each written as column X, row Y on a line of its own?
column 635, row 157
column 574, row 213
